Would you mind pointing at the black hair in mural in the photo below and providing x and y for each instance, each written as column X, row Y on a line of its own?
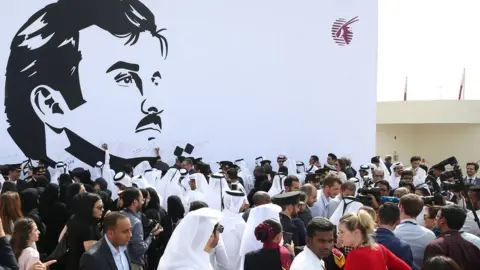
column 45, row 51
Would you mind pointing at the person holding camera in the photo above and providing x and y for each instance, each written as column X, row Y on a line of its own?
column 138, row 245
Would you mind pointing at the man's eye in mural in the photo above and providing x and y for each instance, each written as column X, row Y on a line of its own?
column 124, row 79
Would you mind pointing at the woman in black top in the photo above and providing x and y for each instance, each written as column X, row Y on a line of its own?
column 153, row 211
column 175, row 213
column 82, row 229
column 63, row 182
column 54, row 215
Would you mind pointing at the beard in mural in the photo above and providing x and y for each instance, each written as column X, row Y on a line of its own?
column 81, row 72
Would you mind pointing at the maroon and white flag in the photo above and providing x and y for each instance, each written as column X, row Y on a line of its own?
column 461, row 92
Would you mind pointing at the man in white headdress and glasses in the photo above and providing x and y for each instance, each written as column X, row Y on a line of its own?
column 192, row 241
column 301, row 174
column 234, row 202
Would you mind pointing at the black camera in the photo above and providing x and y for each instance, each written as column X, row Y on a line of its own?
column 364, row 199
column 149, row 225
column 371, row 190
column 430, row 200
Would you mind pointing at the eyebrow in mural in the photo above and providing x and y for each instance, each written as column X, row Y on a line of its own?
column 44, row 66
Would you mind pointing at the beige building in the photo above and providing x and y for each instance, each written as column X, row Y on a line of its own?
column 434, row 130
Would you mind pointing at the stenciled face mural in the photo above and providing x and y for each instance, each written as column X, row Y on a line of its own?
column 239, row 79
column 60, row 70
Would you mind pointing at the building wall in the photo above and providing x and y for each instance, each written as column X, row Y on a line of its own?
column 433, row 142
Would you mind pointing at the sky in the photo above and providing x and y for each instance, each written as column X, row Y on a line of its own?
column 431, row 42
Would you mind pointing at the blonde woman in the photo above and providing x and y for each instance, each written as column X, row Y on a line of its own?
column 355, row 231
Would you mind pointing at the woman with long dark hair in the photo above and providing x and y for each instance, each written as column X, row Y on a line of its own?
column 30, row 197
column 10, row 210
column 153, row 211
column 272, row 255
column 82, row 230
column 63, row 182
column 71, row 192
column 25, row 234
column 54, row 215
column 175, row 213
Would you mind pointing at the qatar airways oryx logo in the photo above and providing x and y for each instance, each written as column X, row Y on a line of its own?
column 342, row 32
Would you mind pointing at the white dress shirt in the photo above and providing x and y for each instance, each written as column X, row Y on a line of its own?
column 307, row 260
column 119, row 256
column 417, row 237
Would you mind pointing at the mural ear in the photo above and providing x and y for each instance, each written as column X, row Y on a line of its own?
column 49, row 106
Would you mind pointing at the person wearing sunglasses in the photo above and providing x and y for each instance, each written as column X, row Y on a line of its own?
column 195, row 237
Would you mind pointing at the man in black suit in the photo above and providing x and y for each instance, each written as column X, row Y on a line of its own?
column 110, row 252
column 472, row 169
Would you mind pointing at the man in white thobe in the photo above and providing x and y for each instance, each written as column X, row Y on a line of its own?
column 192, row 241
column 232, row 221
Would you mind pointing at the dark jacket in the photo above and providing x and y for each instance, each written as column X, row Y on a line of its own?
column 7, row 258
column 99, row 256
column 397, row 246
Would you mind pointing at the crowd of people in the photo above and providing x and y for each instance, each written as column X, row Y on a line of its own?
column 283, row 215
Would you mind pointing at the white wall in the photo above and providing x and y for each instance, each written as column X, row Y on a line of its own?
column 434, row 142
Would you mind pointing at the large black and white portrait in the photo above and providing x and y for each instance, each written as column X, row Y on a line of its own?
column 235, row 79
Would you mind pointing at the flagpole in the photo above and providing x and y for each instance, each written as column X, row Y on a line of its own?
column 405, row 90
column 461, row 91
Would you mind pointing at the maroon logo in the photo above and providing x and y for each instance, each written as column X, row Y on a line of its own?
column 342, row 32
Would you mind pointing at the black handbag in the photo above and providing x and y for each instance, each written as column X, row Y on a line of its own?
column 61, row 250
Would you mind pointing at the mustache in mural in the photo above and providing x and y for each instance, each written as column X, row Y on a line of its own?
column 150, row 122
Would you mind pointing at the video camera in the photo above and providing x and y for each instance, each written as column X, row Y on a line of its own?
column 451, row 180
column 371, row 190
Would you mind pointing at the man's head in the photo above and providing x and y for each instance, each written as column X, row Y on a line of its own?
column 415, row 161
column 320, row 236
column 14, row 172
column 132, row 199
column 438, row 169
column 389, row 215
column 450, row 218
column 472, row 169
column 128, row 168
column 375, row 160
column 289, row 201
column 331, row 158
column 378, row 174
column 340, row 165
column 64, row 62
column 187, row 164
column 291, row 183
column 384, row 187
column 398, row 169
column 411, row 205
column 232, row 175
column 313, row 160
column 260, row 198
column 388, row 159
column 311, row 192
column 407, row 176
column 331, row 185
column 348, row 189
column 117, row 228
column 281, row 160
column 192, row 182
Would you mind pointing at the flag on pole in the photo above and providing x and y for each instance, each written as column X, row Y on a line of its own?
column 405, row 90
column 461, row 92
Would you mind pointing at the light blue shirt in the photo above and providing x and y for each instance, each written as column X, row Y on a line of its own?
column 119, row 256
column 471, row 238
column 320, row 207
column 417, row 237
